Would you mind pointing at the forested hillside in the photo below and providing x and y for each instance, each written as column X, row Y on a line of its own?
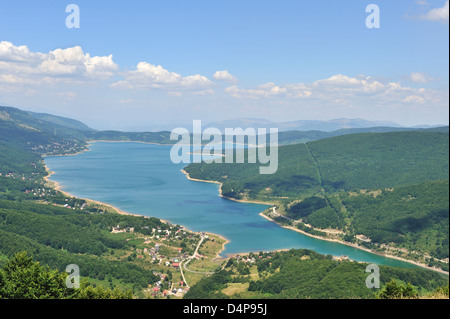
column 306, row 274
column 342, row 163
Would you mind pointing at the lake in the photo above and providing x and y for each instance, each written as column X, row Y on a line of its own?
column 140, row 178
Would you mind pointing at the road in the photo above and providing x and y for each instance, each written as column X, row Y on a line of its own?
column 187, row 260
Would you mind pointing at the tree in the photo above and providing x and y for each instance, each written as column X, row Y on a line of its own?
column 393, row 290
column 22, row 278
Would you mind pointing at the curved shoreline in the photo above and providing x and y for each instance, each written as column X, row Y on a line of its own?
column 315, row 236
column 58, row 187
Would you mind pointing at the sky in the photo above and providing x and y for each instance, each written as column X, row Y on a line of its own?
column 149, row 65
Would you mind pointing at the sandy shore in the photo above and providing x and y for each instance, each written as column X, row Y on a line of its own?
column 315, row 236
column 226, row 241
column 220, row 191
column 58, row 187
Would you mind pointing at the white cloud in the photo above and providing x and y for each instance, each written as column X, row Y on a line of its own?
column 420, row 77
column 149, row 76
column 438, row 14
column 344, row 90
column 262, row 91
column 19, row 65
column 224, row 76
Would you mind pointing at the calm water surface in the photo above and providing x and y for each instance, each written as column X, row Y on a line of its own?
column 141, row 179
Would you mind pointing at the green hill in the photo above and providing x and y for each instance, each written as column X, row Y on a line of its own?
column 341, row 163
column 299, row 274
column 22, row 129
column 381, row 160
column 61, row 121
column 414, row 217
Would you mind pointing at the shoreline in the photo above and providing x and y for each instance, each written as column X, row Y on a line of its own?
column 315, row 236
column 220, row 191
column 356, row 246
column 58, row 187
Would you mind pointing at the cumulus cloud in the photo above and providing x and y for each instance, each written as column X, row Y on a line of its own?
column 262, row 91
column 224, row 76
column 438, row 14
column 344, row 90
column 149, row 76
column 420, row 77
column 19, row 65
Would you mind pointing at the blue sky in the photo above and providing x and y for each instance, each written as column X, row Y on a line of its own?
column 285, row 60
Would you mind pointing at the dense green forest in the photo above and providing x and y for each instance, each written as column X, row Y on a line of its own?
column 415, row 217
column 381, row 160
column 341, row 163
column 303, row 273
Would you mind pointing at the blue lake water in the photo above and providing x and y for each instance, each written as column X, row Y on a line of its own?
column 141, row 179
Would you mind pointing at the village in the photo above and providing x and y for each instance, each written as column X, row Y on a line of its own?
column 168, row 252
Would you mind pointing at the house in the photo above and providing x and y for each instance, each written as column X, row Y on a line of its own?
column 156, row 289
column 176, row 265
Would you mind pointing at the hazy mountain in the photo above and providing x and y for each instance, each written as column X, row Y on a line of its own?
column 62, row 121
column 302, row 125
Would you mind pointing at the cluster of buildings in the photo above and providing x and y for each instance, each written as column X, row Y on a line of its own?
column 340, row 258
column 40, row 192
column 174, row 289
column 118, row 229
column 246, row 259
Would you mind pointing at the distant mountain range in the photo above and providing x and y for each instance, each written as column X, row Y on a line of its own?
column 307, row 125
column 47, row 134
